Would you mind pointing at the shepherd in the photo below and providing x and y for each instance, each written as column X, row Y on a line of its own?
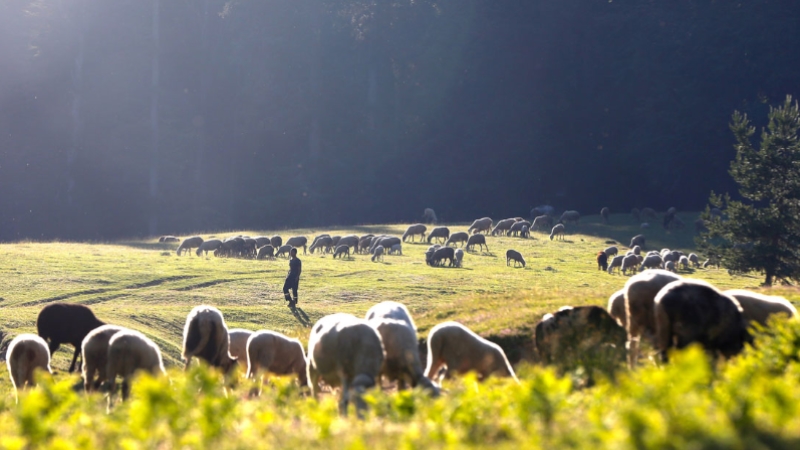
column 292, row 278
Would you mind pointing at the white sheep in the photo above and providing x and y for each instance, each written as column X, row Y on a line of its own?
column 202, row 324
column 611, row 251
column 129, row 352
column 414, row 230
column 391, row 310
column 694, row 260
column 558, row 231
column 616, row 307
column 377, row 254
column 670, row 266
column 346, row 352
column 275, row 353
column 237, row 343
column 640, row 292
column 570, row 216
column 460, row 256
column 26, row 353
column 483, row 224
column 513, row 255
column 629, row 263
column 94, row 351
column 616, row 263
column 503, row 226
column 461, row 350
column 683, row 261
column 342, row 251
column 759, row 307
column 396, row 249
column 402, row 362
column 477, row 239
column 652, row 262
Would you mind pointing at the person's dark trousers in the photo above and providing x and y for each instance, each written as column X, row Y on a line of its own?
column 291, row 283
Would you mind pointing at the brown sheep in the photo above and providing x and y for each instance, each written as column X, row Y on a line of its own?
column 477, row 239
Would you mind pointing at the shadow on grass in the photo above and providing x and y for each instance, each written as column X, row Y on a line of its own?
column 301, row 316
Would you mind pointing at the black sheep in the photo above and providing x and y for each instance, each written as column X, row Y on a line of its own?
column 66, row 323
column 602, row 261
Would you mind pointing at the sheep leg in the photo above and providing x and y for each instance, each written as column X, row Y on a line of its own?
column 126, row 388
column 74, row 358
column 344, row 397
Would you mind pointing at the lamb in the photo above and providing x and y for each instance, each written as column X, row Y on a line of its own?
column 208, row 246
column 190, row 243
column 652, row 262
column 342, row 251
column 759, row 307
column 94, row 349
column 480, row 225
column 298, row 241
column 476, row 239
column 429, row 216
column 26, row 353
column 237, row 343
column 616, row 307
column 66, row 323
column 454, row 238
column 602, row 261
column 205, row 336
column 440, row 233
column 441, row 254
column 670, row 266
column 458, row 348
column 128, row 352
column 688, row 311
column 605, row 213
column 284, row 250
column 459, row 254
column 168, row 239
column 544, row 222
column 558, row 231
column 402, row 362
column 276, row 241
column 640, row 291
column 694, row 260
column 573, row 335
column 266, row 252
column 517, row 227
column 413, row 230
column 396, row 249
column 638, row 240
column 377, row 255
column 344, row 351
column 629, row 263
column 611, row 251
column 275, row 353
column 570, row 216
column 616, row 263
column 513, row 255
column 502, row 226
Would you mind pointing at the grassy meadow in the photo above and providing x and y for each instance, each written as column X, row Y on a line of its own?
column 144, row 285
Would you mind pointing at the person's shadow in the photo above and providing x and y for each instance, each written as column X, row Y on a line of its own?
column 301, row 316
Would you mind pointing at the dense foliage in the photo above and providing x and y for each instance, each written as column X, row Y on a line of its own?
column 752, row 401
column 131, row 117
column 761, row 233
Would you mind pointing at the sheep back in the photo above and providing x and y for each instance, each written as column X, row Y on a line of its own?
column 205, row 336
column 26, row 353
column 575, row 334
column 276, row 353
column 759, row 307
column 462, row 351
column 94, row 350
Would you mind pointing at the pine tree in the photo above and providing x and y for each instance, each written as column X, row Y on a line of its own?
column 761, row 233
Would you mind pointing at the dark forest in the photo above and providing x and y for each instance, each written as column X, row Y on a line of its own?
column 139, row 117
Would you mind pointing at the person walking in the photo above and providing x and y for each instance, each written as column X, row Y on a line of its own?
column 292, row 278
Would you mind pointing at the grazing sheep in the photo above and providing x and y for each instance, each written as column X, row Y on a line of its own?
column 670, row 266
column 26, row 353
column 525, row 232
column 459, row 254
column 190, row 243
column 558, row 231
column 629, row 263
column 391, row 310
column 262, row 241
column 503, row 226
column 636, row 250
column 351, row 240
column 517, row 227
column 94, row 352
column 168, row 239
column 476, row 239
column 250, row 248
column 429, row 253
column 605, row 213
column 440, row 233
column 275, row 353
column 602, row 261
column 649, row 213
column 297, row 242
column 611, row 251
column 342, row 251
column 570, row 216
column 616, row 263
column 616, row 307
column 480, row 225
column 365, row 243
column 414, row 230
column 694, row 260
column 640, row 291
column 636, row 215
column 385, row 242
column 208, row 246
column 683, row 261
column 461, row 350
column 344, row 351
column 441, row 254
column 429, row 216
column 402, row 362
column 322, row 242
column 638, row 240
column 688, row 311
column 284, row 250
column 651, row 262
column 455, row 238
column 513, row 255
column 576, row 334
column 759, row 307
column 66, row 323
column 377, row 255
column 237, row 343
column 543, row 210
column 276, row 241
column 205, row 336
column 540, row 223
column 128, row 352
column 266, row 252
column 396, row 249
